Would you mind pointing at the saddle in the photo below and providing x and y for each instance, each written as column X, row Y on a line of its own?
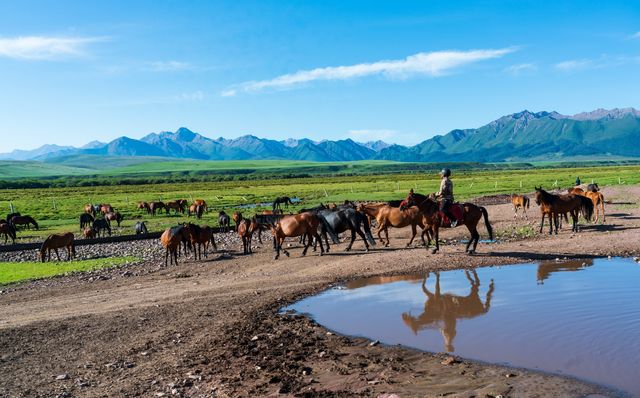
column 456, row 209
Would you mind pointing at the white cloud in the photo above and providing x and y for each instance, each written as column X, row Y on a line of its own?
column 43, row 47
column 169, row 66
column 427, row 64
column 574, row 64
column 520, row 69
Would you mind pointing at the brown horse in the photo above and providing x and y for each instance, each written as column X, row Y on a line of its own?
column 387, row 216
column 23, row 220
column 144, row 206
column 236, row 217
column 8, row 231
column 196, row 210
column 246, row 228
column 200, row 236
column 117, row 217
column 201, row 202
column 55, row 242
column 177, row 205
column 296, row 225
column 157, row 206
column 89, row 233
column 520, row 202
column 89, row 209
column 596, row 198
column 471, row 216
column 171, row 239
column 106, row 208
column 556, row 205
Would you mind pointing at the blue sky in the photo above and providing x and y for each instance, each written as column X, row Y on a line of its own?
column 402, row 71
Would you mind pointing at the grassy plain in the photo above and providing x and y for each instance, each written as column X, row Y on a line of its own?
column 57, row 209
column 12, row 272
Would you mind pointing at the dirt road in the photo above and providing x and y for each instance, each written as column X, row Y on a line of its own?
column 212, row 328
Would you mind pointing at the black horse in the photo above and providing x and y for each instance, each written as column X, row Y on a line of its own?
column 280, row 200
column 141, row 228
column 224, row 220
column 86, row 220
column 345, row 218
column 100, row 225
column 11, row 215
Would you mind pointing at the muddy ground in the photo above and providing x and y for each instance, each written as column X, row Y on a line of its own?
column 212, row 328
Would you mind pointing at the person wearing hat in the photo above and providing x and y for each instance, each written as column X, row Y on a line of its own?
column 446, row 196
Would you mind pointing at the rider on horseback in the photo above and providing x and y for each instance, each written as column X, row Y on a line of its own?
column 446, row 195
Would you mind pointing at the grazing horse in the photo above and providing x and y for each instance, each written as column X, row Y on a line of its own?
column 346, row 218
column 520, row 202
column 171, row 239
column 296, row 225
column 157, row 206
column 177, row 205
column 144, row 206
column 86, row 220
column 224, row 220
column 89, row 209
column 55, row 242
column 280, row 200
column 387, row 216
column 246, row 228
column 101, row 225
column 200, row 236
column 237, row 217
column 8, row 231
column 196, row 210
column 443, row 310
column 471, row 216
column 23, row 220
column 555, row 205
column 106, row 208
column 89, row 233
column 141, row 228
column 117, row 217
column 596, row 198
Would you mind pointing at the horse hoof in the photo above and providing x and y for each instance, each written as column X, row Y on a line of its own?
column 321, row 254
column 434, row 251
column 471, row 252
column 287, row 254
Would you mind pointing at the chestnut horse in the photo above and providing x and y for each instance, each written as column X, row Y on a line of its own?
column 296, row 225
column 556, row 205
column 520, row 202
column 387, row 216
column 23, row 220
column 89, row 233
column 196, row 210
column 55, row 242
column 471, row 216
column 201, row 202
column 106, row 208
column 596, row 198
column 200, row 236
column 8, row 231
column 171, row 239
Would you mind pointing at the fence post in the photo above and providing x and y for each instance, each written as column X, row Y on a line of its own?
column 11, row 208
column 325, row 193
column 520, row 184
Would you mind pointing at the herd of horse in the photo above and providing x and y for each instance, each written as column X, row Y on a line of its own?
column 317, row 225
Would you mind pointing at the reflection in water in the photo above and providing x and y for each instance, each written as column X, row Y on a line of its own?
column 547, row 268
column 444, row 310
column 381, row 280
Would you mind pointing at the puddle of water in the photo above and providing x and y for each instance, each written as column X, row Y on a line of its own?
column 574, row 318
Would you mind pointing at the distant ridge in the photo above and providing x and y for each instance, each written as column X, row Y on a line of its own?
column 520, row 136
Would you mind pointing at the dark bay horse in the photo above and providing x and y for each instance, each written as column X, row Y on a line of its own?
column 8, row 231
column 55, row 242
column 346, row 218
column 471, row 216
column 85, row 220
column 596, row 198
column 23, row 220
column 224, row 221
column 200, row 236
column 101, row 225
column 556, row 205
column 171, row 239
column 11, row 215
column 282, row 200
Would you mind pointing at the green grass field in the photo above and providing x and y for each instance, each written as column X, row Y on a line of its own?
column 57, row 209
column 13, row 272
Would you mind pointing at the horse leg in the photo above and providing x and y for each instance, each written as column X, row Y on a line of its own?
column 413, row 234
column 166, row 256
column 308, row 243
column 322, row 248
column 280, row 242
column 436, row 237
column 515, row 212
column 542, row 223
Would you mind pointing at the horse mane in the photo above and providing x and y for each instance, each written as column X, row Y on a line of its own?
column 546, row 196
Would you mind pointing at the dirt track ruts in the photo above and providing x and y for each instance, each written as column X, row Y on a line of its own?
column 211, row 328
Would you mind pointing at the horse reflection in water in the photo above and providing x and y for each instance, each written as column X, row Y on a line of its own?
column 443, row 310
column 547, row 268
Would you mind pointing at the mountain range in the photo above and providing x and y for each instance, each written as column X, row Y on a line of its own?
column 520, row 136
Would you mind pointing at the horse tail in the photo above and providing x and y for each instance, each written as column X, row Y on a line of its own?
column 586, row 207
column 329, row 229
column 526, row 201
column 367, row 228
column 486, row 222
